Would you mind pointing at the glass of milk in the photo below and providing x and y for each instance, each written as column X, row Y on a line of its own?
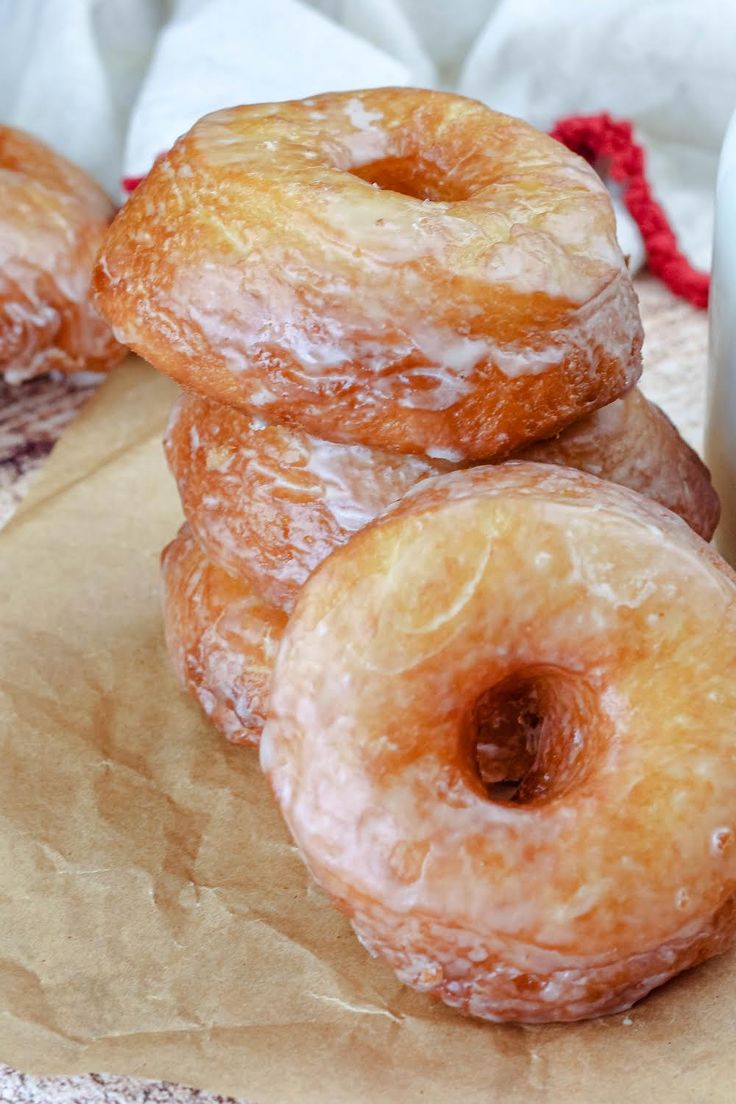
column 720, row 441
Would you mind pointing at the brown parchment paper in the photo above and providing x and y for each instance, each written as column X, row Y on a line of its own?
column 154, row 918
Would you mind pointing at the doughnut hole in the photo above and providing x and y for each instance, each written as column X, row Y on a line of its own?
column 413, row 176
column 536, row 735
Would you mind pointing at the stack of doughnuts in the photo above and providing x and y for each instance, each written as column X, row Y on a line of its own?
column 401, row 305
column 53, row 217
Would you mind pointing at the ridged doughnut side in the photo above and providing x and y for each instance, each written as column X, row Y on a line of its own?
column 460, row 971
column 268, row 503
column 222, row 639
column 633, row 443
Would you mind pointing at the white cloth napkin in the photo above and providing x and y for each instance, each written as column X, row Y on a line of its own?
column 113, row 82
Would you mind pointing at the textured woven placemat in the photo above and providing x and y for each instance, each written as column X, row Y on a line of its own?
column 34, row 415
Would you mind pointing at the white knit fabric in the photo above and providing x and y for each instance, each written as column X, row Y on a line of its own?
column 113, row 82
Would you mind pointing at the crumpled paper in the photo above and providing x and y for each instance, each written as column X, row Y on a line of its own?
column 155, row 920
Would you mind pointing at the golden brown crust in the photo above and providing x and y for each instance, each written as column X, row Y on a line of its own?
column 268, row 503
column 633, row 443
column 28, row 156
column 53, row 217
column 221, row 638
column 257, row 266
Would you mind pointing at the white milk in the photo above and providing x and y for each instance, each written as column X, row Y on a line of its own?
column 720, row 442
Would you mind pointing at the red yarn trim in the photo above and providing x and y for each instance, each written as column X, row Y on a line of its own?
column 600, row 138
column 130, row 183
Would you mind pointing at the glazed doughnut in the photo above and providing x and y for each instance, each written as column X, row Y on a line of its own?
column 52, row 220
column 606, row 863
column 222, row 639
column 268, row 503
column 633, row 443
column 398, row 268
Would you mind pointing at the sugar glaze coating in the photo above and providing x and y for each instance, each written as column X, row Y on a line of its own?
column 268, row 503
column 222, row 639
column 398, row 268
column 559, row 901
column 52, row 220
column 633, row 443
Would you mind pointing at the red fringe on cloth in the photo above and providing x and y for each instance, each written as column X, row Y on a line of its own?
column 610, row 144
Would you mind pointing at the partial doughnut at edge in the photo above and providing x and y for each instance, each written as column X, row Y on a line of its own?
column 53, row 217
